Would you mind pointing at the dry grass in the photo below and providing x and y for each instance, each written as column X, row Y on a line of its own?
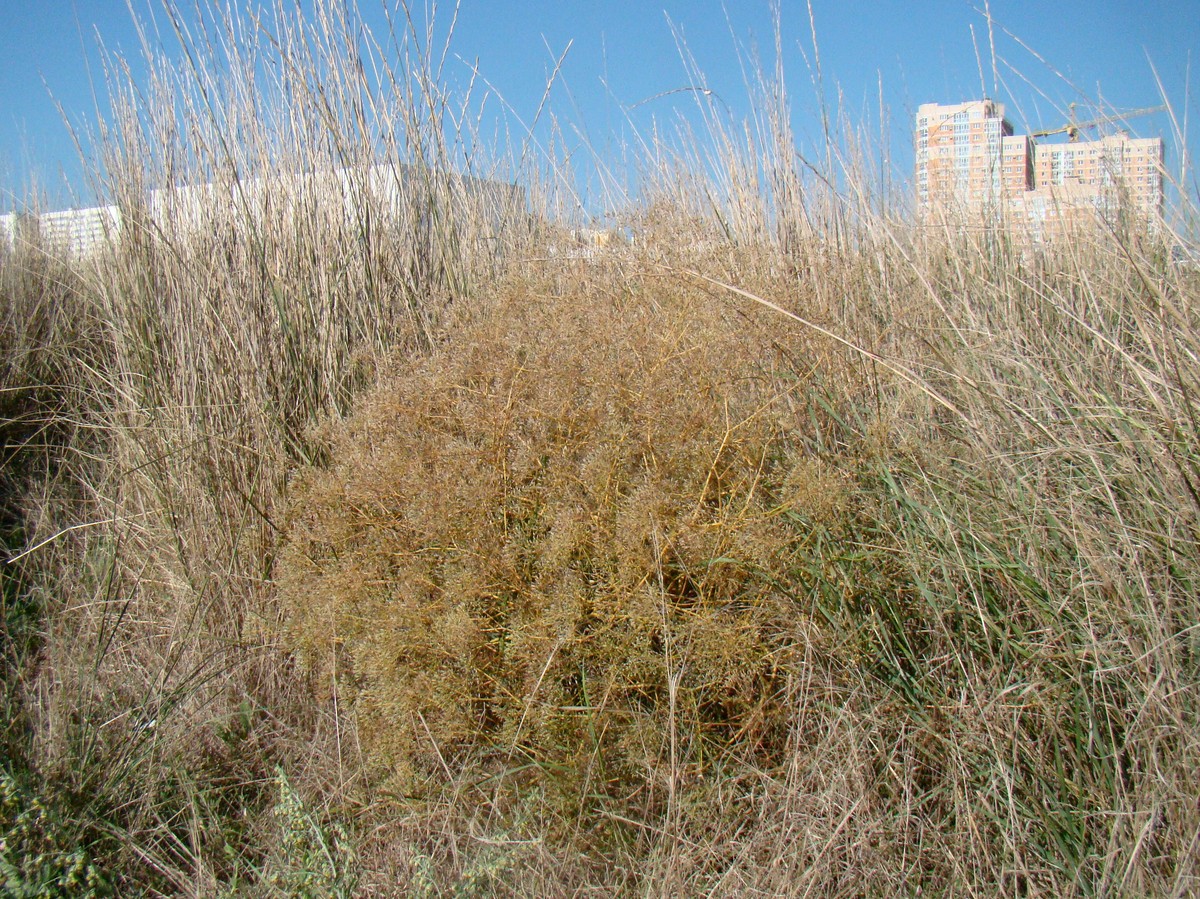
column 365, row 542
column 767, row 615
column 553, row 528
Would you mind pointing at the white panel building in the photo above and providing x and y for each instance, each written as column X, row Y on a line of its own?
column 75, row 232
column 387, row 192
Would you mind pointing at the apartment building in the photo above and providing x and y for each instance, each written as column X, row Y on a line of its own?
column 1017, row 164
column 77, row 232
column 392, row 193
column 970, row 162
column 1114, row 169
column 968, row 155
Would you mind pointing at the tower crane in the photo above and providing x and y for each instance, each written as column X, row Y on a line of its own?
column 1072, row 128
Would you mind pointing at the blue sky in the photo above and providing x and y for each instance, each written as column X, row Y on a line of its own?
column 624, row 59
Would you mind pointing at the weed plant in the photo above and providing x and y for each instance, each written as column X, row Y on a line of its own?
column 365, row 537
column 572, row 529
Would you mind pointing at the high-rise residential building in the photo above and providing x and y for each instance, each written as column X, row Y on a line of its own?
column 969, row 161
column 1017, row 163
column 1115, row 169
column 968, row 156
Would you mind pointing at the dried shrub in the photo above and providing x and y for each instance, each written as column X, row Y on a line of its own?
column 553, row 541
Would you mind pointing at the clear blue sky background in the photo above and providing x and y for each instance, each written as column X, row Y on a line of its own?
column 625, row 51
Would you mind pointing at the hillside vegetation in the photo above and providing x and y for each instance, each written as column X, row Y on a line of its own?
column 387, row 540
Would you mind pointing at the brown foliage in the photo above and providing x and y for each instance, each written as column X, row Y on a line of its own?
column 554, row 538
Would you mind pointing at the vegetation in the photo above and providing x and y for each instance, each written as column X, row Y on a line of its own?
column 366, row 534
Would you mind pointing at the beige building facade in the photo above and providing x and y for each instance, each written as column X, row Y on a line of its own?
column 1114, row 168
column 960, row 153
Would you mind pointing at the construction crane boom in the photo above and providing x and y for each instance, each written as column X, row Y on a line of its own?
column 1072, row 128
